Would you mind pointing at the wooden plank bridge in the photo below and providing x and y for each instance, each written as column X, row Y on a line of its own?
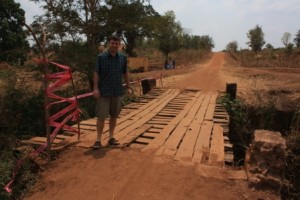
column 185, row 125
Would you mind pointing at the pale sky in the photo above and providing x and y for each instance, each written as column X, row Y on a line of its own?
column 223, row 20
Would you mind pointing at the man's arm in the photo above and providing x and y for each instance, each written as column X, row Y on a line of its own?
column 126, row 78
column 96, row 92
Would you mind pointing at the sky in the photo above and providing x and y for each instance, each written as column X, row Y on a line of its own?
column 223, row 20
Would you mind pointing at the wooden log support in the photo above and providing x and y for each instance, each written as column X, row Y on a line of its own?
column 231, row 89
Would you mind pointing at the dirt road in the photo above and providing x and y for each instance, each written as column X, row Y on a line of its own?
column 207, row 77
column 134, row 175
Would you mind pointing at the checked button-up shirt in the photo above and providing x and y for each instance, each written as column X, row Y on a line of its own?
column 110, row 70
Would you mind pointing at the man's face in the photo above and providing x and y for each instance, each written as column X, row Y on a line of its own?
column 114, row 46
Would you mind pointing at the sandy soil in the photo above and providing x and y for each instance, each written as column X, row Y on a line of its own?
column 130, row 174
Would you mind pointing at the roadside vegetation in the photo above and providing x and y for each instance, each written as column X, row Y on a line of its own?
column 264, row 115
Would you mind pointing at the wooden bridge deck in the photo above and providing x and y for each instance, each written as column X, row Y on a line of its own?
column 186, row 125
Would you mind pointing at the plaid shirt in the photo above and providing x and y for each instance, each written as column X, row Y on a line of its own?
column 110, row 70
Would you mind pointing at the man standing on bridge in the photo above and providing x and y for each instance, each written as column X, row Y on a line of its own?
column 111, row 65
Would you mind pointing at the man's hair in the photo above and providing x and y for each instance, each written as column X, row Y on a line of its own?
column 113, row 37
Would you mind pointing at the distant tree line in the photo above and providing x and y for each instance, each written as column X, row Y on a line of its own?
column 256, row 41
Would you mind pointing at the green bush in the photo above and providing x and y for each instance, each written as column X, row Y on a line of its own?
column 21, row 110
column 243, row 121
column 291, row 190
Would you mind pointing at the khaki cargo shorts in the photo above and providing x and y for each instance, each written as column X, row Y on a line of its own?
column 108, row 106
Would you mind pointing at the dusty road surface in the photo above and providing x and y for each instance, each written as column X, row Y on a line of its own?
column 207, row 77
column 129, row 174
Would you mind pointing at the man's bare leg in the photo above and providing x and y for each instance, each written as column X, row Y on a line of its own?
column 112, row 126
column 100, row 127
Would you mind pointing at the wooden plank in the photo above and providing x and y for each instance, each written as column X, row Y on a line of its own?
column 161, row 119
column 186, row 149
column 157, row 142
column 157, row 122
column 176, row 103
column 216, row 154
column 143, row 140
column 223, row 116
column 227, row 146
column 149, row 135
column 62, row 136
column 145, row 116
column 197, row 157
column 170, row 109
column 202, row 143
column 174, row 107
column 160, row 139
column 180, row 125
column 87, row 127
column 209, row 115
column 90, row 122
column 173, row 141
column 54, row 147
column 124, row 122
column 158, row 126
column 213, row 98
column 44, row 139
column 129, row 138
column 154, row 130
column 201, row 113
column 165, row 112
column 225, row 121
column 211, row 107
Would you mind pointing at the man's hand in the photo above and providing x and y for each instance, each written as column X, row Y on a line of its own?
column 129, row 91
column 96, row 93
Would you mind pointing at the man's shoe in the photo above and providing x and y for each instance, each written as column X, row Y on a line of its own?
column 113, row 141
column 97, row 145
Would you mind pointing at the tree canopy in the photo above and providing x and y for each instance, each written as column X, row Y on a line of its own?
column 297, row 39
column 232, row 46
column 168, row 33
column 256, row 38
column 13, row 43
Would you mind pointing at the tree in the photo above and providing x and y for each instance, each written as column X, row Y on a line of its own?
column 289, row 48
column 232, row 46
column 297, row 39
column 206, row 43
column 13, row 43
column 256, row 37
column 135, row 18
column 70, row 20
column 169, row 33
column 286, row 39
column 269, row 46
